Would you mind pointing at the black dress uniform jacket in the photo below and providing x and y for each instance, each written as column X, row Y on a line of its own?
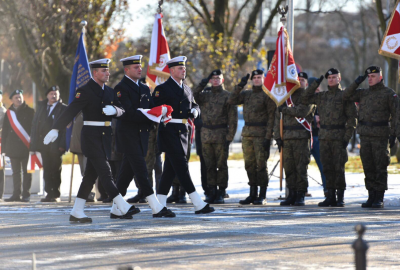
column 91, row 99
column 42, row 123
column 12, row 145
column 133, row 127
column 174, row 138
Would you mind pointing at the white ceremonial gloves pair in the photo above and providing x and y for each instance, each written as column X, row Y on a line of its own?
column 109, row 110
column 194, row 112
column 51, row 136
column 164, row 111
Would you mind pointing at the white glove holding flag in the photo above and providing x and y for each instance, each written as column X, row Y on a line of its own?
column 164, row 111
column 194, row 112
column 109, row 110
column 51, row 136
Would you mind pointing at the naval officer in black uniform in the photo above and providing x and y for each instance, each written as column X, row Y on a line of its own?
column 173, row 138
column 133, row 133
column 98, row 103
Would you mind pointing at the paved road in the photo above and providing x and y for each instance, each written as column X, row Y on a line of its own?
column 234, row 237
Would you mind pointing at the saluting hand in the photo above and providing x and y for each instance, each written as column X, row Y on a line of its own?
column 318, row 81
column 206, row 80
column 361, row 78
column 244, row 80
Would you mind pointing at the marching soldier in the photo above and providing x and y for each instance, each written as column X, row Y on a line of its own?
column 295, row 145
column 98, row 103
column 48, row 110
column 173, row 136
column 258, row 113
column 133, row 133
column 219, row 126
column 377, row 107
column 15, row 144
column 337, row 124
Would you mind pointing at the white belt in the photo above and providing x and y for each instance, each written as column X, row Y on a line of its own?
column 178, row 121
column 97, row 123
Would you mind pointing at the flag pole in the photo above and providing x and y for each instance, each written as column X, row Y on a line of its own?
column 283, row 11
column 83, row 24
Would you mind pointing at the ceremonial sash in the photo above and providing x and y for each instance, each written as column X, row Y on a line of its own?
column 191, row 123
column 301, row 120
column 34, row 158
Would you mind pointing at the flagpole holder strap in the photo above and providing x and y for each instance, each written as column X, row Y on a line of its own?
column 97, row 123
column 178, row 121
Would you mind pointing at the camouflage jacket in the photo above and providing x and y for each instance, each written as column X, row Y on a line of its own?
column 377, row 105
column 338, row 118
column 220, row 119
column 258, row 107
column 292, row 129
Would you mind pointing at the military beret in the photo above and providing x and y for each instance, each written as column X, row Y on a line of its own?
column 303, row 75
column 331, row 72
column 216, row 72
column 256, row 72
column 53, row 88
column 373, row 69
column 311, row 80
column 16, row 92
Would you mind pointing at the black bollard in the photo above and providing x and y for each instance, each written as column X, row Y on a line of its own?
column 360, row 248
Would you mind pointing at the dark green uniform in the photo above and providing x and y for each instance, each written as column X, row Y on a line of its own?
column 377, row 107
column 258, row 114
column 219, row 127
column 337, row 124
column 296, row 146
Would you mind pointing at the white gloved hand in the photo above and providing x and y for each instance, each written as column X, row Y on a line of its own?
column 51, row 136
column 109, row 110
column 194, row 112
column 164, row 111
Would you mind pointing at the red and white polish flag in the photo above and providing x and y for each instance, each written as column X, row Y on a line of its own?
column 390, row 45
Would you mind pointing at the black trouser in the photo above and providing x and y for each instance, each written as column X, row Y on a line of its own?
column 97, row 167
column 52, row 173
column 20, row 165
column 203, row 172
column 158, row 170
column 175, row 165
column 115, row 165
column 134, row 165
column 2, row 177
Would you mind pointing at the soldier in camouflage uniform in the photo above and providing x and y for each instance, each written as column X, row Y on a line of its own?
column 296, row 146
column 337, row 124
column 219, row 127
column 377, row 106
column 258, row 113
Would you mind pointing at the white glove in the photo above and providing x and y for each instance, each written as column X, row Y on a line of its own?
column 164, row 111
column 51, row 136
column 194, row 112
column 109, row 110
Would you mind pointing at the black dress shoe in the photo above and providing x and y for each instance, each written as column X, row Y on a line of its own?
column 205, row 210
column 132, row 211
column 55, row 200
column 113, row 216
column 142, row 200
column 46, row 199
column 80, row 220
column 102, row 198
column 164, row 213
column 13, row 199
column 26, row 199
column 108, row 200
column 135, row 199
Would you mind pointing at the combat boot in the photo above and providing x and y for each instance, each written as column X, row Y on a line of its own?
column 291, row 198
column 212, row 194
column 174, row 198
column 371, row 199
column 252, row 196
column 378, row 202
column 220, row 196
column 182, row 195
column 300, row 198
column 340, row 198
column 262, row 197
column 330, row 199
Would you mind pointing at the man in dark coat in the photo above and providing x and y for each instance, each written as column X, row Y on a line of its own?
column 133, row 134
column 15, row 141
column 98, row 103
column 47, row 111
column 173, row 136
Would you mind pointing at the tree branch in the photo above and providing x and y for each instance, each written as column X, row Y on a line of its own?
column 230, row 32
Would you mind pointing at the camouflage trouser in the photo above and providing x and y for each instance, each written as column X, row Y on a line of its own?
column 216, row 159
column 296, row 157
column 333, row 158
column 375, row 159
column 255, row 161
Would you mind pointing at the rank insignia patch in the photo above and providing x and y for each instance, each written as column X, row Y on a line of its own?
column 77, row 95
column 157, row 94
column 118, row 94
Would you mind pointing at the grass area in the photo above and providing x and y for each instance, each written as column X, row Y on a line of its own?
column 354, row 165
